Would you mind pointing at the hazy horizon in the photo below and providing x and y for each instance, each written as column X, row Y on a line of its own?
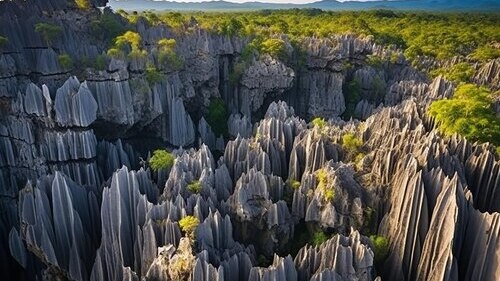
column 246, row 1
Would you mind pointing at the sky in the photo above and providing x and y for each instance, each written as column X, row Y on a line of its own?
column 265, row 1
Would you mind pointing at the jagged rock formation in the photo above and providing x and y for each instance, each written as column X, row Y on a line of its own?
column 264, row 77
column 339, row 258
column 489, row 74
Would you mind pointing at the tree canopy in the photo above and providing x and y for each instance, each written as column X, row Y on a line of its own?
column 469, row 113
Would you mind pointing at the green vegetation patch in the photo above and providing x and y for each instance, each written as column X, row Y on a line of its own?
column 161, row 159
column 188, row 225
column 48, row 31
column 129, row 41
column 167, row 57
column 65, row 61
column 3, row 41
column 438, row 35
column 83, row 4
column 323, row 185
column 152, row 75
column 319, row 237
column 469, row 113
column 217, row 117
column 460, row 72
column 381, row 248
column 274, row 47
column 319, row 123
column 195, row 186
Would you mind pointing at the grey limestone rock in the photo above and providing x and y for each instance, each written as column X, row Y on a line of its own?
column 264, row 77
column 74, row 104
column 282, row 269
column 348, row 257
column 489, row 74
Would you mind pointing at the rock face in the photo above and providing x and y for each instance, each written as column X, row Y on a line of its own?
column 489, row 74
column 339, row 258
column 264, row 77
column 74, row 104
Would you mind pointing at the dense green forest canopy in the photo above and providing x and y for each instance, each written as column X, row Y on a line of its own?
column 438, row 35
column 472, row 37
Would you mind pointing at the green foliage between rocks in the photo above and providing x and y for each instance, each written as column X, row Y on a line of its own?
column 188, row 225
column 295, row 184
column 129, row 41
column 274, row 47
column 48, row 31
column 167, row 56
column 3, row 41
column 83, row 4
column 65, row 61
column 469, row 113
column 152, row 75
column 460, row 72
column 381, row 248
column 319, row 123
column 318, row 238
column 161, row 159
column 195, row 186
column 323, row 185
column 438, row 35
column 217, row 117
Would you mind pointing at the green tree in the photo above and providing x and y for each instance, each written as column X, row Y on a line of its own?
column 188, row 225
column 274, row 47
column 381, row 248
column 48, row 31
column 217, row 116
column 319, row 123
column 167, row 55
column 65, row 61
column 83, row 4
column 231, row 27
column 3, row 41
column 106, row 27
column 153, row 76
column 128, row 41
column 486, row 52
column 195, row 186
column 468, row 113
column 319, row 237
column 161, row 159
column 460, row 72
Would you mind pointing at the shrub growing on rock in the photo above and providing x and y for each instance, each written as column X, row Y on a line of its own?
column 48, row 31
column 161, row 159
column 167, row 55
column 460, row 72
column 318, row 238
column 295, row 184
column 381, row 248
column 319, row 122
column 274, row 47
column 153, row 76
column 328, row 191
column 3, row 41
column 352, row 145
column 65, row 61
column 82, row 4
column 106, row 27
column 195, row 186
column 128, row 41
column 217, row 116
column 188, row 225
